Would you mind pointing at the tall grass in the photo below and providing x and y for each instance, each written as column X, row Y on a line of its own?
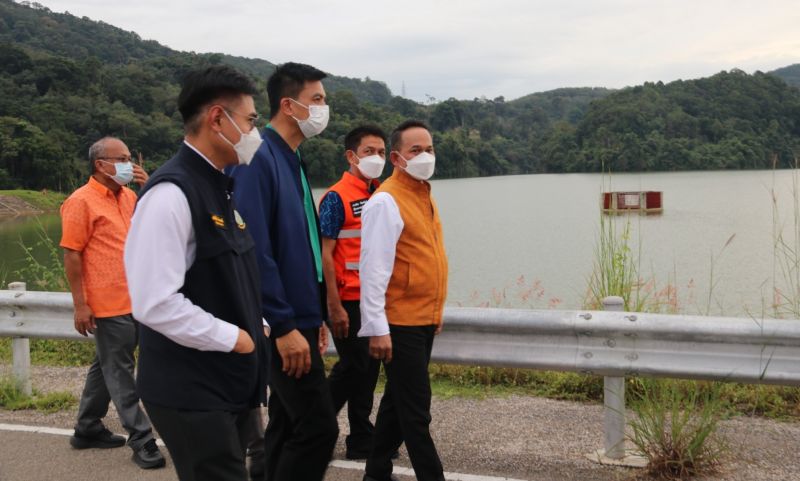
column 615, row 269
column 785, row 302
column 43, row 274
column 674, row 428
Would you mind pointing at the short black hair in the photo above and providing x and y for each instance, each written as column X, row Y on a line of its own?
column 397, row 133
column 288, row 80
column 353, row 138
column 202, row 87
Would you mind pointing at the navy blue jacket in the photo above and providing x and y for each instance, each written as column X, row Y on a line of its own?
column 269, row 196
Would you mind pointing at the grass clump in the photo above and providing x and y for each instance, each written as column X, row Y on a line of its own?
column 12, row 398
column 675, row 428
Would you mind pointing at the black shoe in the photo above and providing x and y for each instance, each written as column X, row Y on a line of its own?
column 149, row 456
column 105, row 439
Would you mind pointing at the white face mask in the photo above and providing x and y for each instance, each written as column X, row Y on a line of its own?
column 247, row 145
column 123, row 172
column 421, row 167
column 318, row 116
column 371, row 167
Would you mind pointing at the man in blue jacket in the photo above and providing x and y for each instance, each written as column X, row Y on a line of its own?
column 274, row 199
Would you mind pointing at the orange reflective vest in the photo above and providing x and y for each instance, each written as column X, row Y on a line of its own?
column 354, row 194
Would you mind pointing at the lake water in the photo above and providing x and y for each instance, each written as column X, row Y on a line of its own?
column 528, row 241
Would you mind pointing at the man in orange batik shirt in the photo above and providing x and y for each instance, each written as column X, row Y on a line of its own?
column 95, row 223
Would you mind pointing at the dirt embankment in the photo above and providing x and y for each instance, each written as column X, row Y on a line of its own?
column 12, row 206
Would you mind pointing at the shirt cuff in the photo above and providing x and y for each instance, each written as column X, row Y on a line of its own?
column 267, row 329
column 378, row 327
column 225, row 339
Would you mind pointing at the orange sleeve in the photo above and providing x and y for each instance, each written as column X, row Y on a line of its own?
column 76, row 227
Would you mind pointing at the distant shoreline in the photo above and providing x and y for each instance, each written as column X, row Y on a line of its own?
column 29, row 202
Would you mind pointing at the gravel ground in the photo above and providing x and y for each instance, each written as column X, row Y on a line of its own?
column 519, row 437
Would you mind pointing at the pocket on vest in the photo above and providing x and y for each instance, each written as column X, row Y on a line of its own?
column 400, row 278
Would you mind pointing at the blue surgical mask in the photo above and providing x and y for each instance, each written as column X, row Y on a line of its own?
column 124, row 173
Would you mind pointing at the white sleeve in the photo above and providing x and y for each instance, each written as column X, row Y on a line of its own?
column 381, row 226
column 159, row 250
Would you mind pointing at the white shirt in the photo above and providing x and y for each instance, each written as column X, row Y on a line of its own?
column 159, row 250
column 381, row 226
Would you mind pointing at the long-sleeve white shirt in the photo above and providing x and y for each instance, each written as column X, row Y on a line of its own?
column 381, row 226
column 159, row 250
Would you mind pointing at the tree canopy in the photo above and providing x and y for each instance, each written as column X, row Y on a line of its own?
column 67, row 81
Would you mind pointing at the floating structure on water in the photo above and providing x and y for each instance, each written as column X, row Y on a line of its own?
column 642, row 202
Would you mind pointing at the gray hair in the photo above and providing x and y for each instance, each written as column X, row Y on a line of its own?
column 98, row 151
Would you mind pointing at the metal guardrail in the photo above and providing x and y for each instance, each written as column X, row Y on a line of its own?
column 625, row 344
column 607, row 343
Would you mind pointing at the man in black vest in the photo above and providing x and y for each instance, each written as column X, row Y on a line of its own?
column 194, row 285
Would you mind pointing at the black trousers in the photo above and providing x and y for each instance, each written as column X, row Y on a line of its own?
column 302, row 428
column 405, row 410
column 353, row 380
column 204, row 445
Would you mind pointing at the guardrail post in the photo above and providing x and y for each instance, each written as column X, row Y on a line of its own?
column 614, row 400
column 21, row 353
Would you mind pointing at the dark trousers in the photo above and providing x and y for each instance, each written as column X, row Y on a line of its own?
column 302, row 428
column 405, row 410
column 353, row 380
column 110, row 379
column 204, row 445
column 253, row 438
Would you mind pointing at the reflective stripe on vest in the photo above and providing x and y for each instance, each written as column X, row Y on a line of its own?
column 354, row 194
column 349, row 234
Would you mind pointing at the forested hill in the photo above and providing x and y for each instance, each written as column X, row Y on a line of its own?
column 790, row 74
column 66, row 81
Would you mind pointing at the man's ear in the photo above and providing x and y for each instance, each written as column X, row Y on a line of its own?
column 213, row 118
column 395, row 158
column 351, row 157
column 286, row 107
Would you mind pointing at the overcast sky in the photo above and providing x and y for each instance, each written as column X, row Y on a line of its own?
column 474, row 48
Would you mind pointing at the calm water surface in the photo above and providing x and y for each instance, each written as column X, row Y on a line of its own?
column 528, row 241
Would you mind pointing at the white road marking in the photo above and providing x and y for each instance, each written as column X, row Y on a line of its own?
column 336, row 463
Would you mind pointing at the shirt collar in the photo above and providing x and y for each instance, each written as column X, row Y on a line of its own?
column 201, row 155
column 101, row 189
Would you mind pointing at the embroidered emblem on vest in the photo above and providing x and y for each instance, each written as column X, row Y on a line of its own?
column 218, row 221
column 239, row 221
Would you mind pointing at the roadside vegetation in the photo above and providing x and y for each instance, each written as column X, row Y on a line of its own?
column 12, row 398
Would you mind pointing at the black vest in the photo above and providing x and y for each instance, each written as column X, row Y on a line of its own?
column 223, row 281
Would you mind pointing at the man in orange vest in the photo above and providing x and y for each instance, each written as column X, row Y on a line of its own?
column 403, row 269
column 353, row 378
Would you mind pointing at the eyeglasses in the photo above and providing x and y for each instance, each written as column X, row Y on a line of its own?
column 123, row 158
column 252, row 119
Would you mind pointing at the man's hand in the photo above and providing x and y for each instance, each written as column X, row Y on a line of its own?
column 339, row 319
column 439, row 328
column 380, row 347
column 244, row 343
column 84, row 320
column 323, row 339
column 295, row 353
column 139, row 175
